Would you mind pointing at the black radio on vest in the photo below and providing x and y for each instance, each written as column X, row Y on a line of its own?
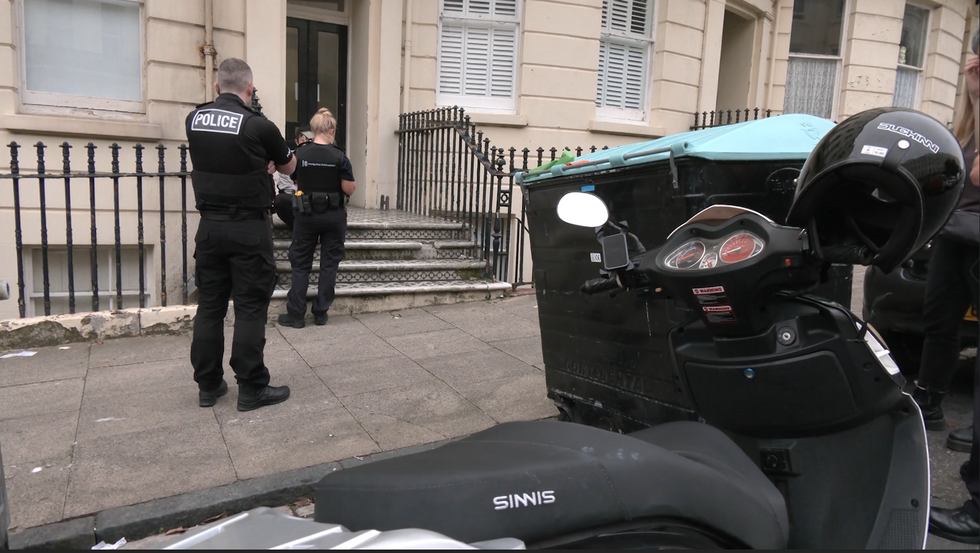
column 230, row 165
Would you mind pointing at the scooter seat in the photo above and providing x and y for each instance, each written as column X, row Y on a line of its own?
column 540, row 480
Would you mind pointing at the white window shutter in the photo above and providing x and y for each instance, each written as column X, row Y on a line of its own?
column 479, row 7
column 504, row 48
column 477, row 56
column 600, row 94
column 623, row 51
column 613, row 64
column 635, row 77
column 639, row 23
column 477, row 61
column 505, row 8
column 618, row 19
column 451, row 59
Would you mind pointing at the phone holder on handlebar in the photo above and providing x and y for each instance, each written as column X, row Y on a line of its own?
column 615, row 252
column 619, row 246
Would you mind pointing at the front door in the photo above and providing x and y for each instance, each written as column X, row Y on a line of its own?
column 316, row 74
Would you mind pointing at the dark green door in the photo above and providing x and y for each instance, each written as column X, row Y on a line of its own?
column 316, row 74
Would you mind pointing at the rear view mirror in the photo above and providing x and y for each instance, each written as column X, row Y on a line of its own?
column 583, row 210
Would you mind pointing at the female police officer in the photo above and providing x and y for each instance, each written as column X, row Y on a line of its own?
column 325, row 179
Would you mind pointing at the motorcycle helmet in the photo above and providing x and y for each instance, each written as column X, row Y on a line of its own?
column 883, row 181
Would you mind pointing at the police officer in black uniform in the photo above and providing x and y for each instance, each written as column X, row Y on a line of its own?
column 234, row 150
column 325, row 179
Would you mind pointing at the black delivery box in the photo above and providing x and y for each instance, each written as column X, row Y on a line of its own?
column 607, row 360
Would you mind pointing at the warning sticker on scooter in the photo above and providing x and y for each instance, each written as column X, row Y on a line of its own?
column 720, row 314
column 709, row 290
column 714, row 295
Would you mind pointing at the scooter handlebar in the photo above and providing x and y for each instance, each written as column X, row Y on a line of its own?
column 850, row 254
column 600, row 284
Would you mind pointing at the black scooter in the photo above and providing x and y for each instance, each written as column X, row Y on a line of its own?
column 809, row 441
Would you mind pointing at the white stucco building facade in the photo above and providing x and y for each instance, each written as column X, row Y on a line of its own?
column 530, row 72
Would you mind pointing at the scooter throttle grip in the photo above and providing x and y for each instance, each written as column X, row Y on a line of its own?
column 597, row 285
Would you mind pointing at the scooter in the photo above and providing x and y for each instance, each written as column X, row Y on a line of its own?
column 809, row 441
column 806, row 438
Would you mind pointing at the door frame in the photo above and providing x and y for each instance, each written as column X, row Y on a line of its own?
column 308, row 30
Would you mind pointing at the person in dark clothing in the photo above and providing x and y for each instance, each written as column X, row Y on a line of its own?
column 325, row 179
column 234, row 150
column 951, row 285
column 286, row 186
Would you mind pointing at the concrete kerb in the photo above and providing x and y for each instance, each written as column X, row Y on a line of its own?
column 77, row 533
column 38, row 332
column 154, row 517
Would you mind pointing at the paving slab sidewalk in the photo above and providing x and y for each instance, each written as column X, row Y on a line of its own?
column 89, row 427
column 95, row 428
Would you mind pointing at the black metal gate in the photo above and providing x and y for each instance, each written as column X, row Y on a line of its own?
column 447, row 168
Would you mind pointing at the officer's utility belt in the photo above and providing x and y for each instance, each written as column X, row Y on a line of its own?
column 308, row 203
column 233, row 214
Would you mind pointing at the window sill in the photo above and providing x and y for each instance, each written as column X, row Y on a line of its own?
column 498, row 119
column 77, row 126
column 626, row 129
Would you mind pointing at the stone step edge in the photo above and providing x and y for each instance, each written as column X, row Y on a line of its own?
column 392, row 244
column 461, row 286
column 395, row 265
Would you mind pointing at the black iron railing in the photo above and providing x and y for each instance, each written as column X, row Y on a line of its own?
column 447, row 168
column 43, row 182
column 708, row 119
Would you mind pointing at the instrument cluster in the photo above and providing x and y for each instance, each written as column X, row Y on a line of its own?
column 704, row 254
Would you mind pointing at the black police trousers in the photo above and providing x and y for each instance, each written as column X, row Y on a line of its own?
column 234, row 260
column 329, row 229
column 972, row 504
column 950, row 288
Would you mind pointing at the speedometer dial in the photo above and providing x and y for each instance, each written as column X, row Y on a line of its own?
column 709, row 261
column 685, row 256
column 740, row 247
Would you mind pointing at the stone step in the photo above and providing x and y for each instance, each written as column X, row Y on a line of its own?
column 367, row 230
column 364, row 297
column 390, row 250
column 392, row 272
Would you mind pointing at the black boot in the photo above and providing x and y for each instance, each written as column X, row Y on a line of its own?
column 291, row 320
column 209, row 398
column 270, row 395
column 960, row 439
column 954, row 524
column 930, row 403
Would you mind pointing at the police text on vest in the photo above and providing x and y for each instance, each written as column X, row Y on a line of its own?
column 217, row 120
